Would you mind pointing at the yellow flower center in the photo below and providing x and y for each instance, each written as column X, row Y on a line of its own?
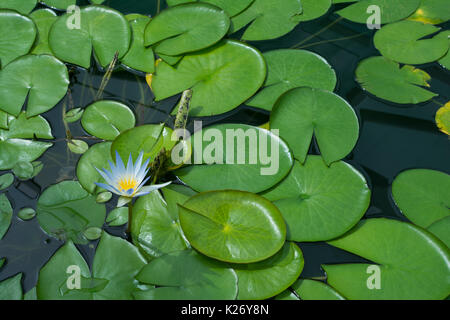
column 126, row 184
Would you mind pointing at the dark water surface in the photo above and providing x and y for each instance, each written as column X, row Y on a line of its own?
column 392, row 139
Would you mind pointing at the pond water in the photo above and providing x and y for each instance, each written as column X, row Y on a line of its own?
column 392, row 138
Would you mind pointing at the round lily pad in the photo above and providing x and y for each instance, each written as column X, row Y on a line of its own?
column 66, row 210
column 288, row 69
column 77, row 146
column 313, row 9
column 17, row 35
column 440, row 229
column 318, row 202
column 59, row 4
column 28, row 128
column 412, row 264
column 106, row 119
column 23, row 170
column 432, row 11
column 208, row 74
column 387, row 80
column 401, row 42
column 44, row 19
column 22, row 80
column 266, row 20
column 117, row 217
column 186, row 28
column 233, row 226
column 302, row 112
column 445, row 60
column 6, row 212
column 102, row 30
column 17, row 150
column 22, row 6
column 231, row 7
column 308, row 289
column 26, row 214
column 6, row 180
column 443, row 118
column 244, row 163
column 187, row 275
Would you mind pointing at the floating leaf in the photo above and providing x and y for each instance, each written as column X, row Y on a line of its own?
column 117, row 217
column 412, row 264
column 6, row 180
column 318, row 202
column 103, row 197
column 440, row 229
column 432, row 11
column 24, row 79
column 3, row 120
column 208, row 74
column 96, row 157
column 288, row 69
column 265, row 279
column 106, row 119
column 44, row 19
column 253, row 159
column 17, row 34
column 445, row 61
column 267, row 21
column 233, row 226
column 102, row 30
column 390, row 11
column 315, row 290
column 115, row 265
column 73, row 115
column 385, row 79
column 401, row 42
column 186, row 28
column 17, row 150
column 30, row 295
column 23, row 170
column 443, row 118
column 187, row 275
column 22, row 6
column 59, row 4
column 139, row 57
column 6, row 212
column 77, row 146
column 26, row 214
column 231, row 7
column 65, row 210
column 302, row 112
column 93, row 233
column 28, row 128
column 11, row 288
column 313, row 9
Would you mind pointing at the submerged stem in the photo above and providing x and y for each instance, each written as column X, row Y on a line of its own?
column 107, row 76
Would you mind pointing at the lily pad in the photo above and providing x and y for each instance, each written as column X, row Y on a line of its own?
column 401, row 42
column 315, row 290
column 93, row 233
column 266, row 20
column 398, row 248
column 77, row 146
column 233, row 226
column 422, row 195
column 17, row 150
column 313, row 9
column 17, row 35
column 22, row 80
column 106, row 119
column 432, row 11
column 6, row 180
column 117, row 217
column 11, row 288
column 139, row 57
column 6, row 212
column 23, row 170
column 65, row 210
column 387, row 80
column 443, row 118
column 318, row 202
column 103, row 30
column 440, row 229
column 187, row 275
column 28, row 128
column 231, row 7
column 73, row 115
column 302, row 112
column 445, row 61
column 59, row 4
column 265, row 279
column 208, row 74
column 26, row 214
column 115, row 265
column 288, row 69
column 96, row 157
column 186, row 28
column 44, row 19
column 390, row 11
column 242, row 165
column 104, row 197
column 22, row 6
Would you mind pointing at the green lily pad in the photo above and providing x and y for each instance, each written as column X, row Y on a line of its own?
column 28, row 128
column 445, row 61
column 155, row 228
column 23, row 80
column 106, row 119
column 187, row 275
column 65, row 210
column 6, row 212
column 6, row 180
column 30, row 295
column 23, row 170
column 231, row 7
column 103, row 197
column 208, row 74
column 117, row 217
column 77, row 146
column 390, row 11
column 422, row 195
column 44, row 19
column 115, row 265
column 17, row 150
column 288, row 69
column 3, row 120
column 265, row 279
column 11, row 288
column 266, row 20
column 26, row 214
column 432, row 11
column 313, row 9
column 412, row 264
column 401, row 42
column 59, row 4
column 302, row 112
column 96, row 157
column 17, row 35
column 440, row 229
column 22, row 6
column 386, row 80
column 315, row 290
column 240, row 166
column 139, row 57
column 73, row 115
column 286, row 295
column 318, row 202
column 93, row 233
column 186, row 28
column 102, row 30
column 233, row 226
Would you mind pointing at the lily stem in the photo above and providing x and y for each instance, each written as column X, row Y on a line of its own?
column 130, row 214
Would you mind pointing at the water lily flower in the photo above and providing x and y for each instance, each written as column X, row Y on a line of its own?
column 128, row 182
